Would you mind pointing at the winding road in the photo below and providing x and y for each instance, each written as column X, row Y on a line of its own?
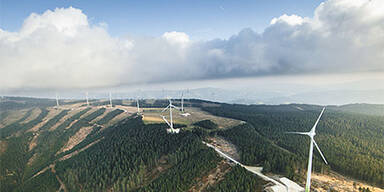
column 279, row 187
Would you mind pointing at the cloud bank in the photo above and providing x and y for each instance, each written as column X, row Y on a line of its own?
column 62, row 49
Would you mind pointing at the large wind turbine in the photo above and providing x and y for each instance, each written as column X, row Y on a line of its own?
column 311, row 134
column 170, row 124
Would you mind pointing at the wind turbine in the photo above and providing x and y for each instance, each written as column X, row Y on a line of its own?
column 182, row 106
column 189, row 98
column 311, row 134
column 170, row 124
column 110, row 99
column 138, row 106
column 138, row 101
column 86, row 98
column 57, row 101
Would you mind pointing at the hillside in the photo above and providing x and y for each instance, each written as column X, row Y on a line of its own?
column 101, row 148
column 351, row 142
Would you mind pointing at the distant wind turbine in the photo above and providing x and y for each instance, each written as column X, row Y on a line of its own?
column 311, row 134
column 170, row 124
column 57, row 101
column 182, row 106
column 86, row 97
column 110, row 99
column 138, row 101
column 138, row 106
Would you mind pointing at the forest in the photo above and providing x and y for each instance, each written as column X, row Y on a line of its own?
column 352, row 142
column 124, row 159
column 238, row 179
column 127, row 156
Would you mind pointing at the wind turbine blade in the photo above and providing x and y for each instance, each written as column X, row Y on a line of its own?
column 166, row 121
column 175, row 107
column 317, row 121
column 165, row 108
column 298, row 133
column 317, row 147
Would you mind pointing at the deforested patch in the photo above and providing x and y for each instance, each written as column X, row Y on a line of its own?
column 34, row 114
column 76, row 139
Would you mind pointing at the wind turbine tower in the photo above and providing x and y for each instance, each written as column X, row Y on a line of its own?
column 57, row 101
column 182, row 101
column 311, row 134
column 138, row 106
column 170, row 124
column 86, row 98
column 182, row 106
column 110, row 99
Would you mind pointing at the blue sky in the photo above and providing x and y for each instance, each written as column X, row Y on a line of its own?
column 202, row 20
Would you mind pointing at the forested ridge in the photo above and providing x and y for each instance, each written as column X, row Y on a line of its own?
column 126, row 156
column 109, row 116
column 16, row 103
column 351, row 142
column 128, row 153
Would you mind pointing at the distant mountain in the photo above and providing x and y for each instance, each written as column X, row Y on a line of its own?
column 244, row 95
column 368, row 109
column 249, row 96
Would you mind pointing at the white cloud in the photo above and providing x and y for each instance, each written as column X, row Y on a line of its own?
column 59, row 49
column 66, row 21
column 176, row 37
column 291, row 20
column 62, row 49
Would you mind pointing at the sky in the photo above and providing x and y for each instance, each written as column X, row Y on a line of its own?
column 202, row 20
column 291, row 46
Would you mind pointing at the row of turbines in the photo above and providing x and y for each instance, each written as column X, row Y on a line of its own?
column 172, row 130
column 169, row 107
column 87, row 100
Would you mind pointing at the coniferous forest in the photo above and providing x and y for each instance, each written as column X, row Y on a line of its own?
column 351, row 139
